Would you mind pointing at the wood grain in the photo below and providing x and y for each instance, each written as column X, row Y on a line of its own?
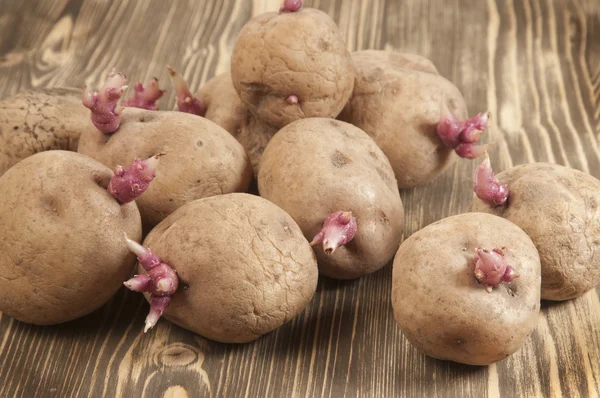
column 535, row 64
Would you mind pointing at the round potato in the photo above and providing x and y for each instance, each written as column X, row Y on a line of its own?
column 201, row 159
column 441, row 307
column 558, row 207
column 39, row 120
column 61, row 238
column 397, row 100
column 288, row 66
column 223, row 105
column 315, row 167
column 243, row 264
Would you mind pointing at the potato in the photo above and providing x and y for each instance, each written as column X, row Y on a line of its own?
column 254, row 135
column 558, row 207
column 62, row 253
column 201, row 159
column 40, row 120
column 398, row 100
column 244, row 267
column 223, row 105
column 317, row 166
column 441, row 307
column 292, row 65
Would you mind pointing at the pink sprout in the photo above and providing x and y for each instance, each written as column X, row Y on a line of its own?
column 338, row 229
column 291, row 6
column 161, row 281
column 462, row 135
column 292, row 100
column 103, row 104
column 487, row 187
column 145, row 98
column 129, row 183
column 186, row 102
column 491, row 268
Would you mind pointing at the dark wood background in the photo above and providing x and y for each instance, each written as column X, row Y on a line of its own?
column 535, row 64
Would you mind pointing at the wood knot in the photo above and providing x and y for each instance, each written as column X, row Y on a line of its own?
column 178, row 354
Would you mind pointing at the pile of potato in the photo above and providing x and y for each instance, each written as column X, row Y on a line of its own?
column 330, row 137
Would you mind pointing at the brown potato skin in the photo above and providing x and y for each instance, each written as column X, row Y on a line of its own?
column 244, row 266
column 254, row 135
column 558, row 208
column 227, row 110
column 223, row 104
column 442, row 309
column 301, row 53
column 40, row 120
column 201, row 159
column 62, row 252
column 397, row 100
column 314, row 167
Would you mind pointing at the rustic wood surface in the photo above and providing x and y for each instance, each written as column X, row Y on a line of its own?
column 535, row 64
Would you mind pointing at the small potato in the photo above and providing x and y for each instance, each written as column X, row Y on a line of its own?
column 62, row 253
column 292, row 65
column 244, row 267
column 398, row 100
column 558, row 207
column 315, row 167
column 40, row 120
column 201, row 159
column 254, row 136
column 441, row 307
column 223, row 105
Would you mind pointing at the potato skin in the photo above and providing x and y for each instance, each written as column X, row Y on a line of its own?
column 62, row 252
column 301, row 53
column 254, row 135
column 558, row 207
column 40, row 120
column 223, row 104
column 201, row 159
column 244, row 267
column 442, row 309
column 314, row 167
column 397, row 100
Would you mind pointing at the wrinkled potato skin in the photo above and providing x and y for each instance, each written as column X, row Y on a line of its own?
column 254, row 136
column 244, row 267
column 300, row 53
column 558, row 208
column 201, row 159
column 314, row 167
column 40, row 120
column 397, row 100
column 223, row 105
column 442, row 309
column 62, row 252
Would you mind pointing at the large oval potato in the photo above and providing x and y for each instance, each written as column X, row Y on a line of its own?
column 201, row 159
column 301, row 54
column 558, row 207
column 397, row 100
column 314, row 167
column 40, row 120
column 243, row 264
column 62, row 252
column 441, row 307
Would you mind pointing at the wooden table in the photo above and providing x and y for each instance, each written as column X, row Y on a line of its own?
column 535, row 64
